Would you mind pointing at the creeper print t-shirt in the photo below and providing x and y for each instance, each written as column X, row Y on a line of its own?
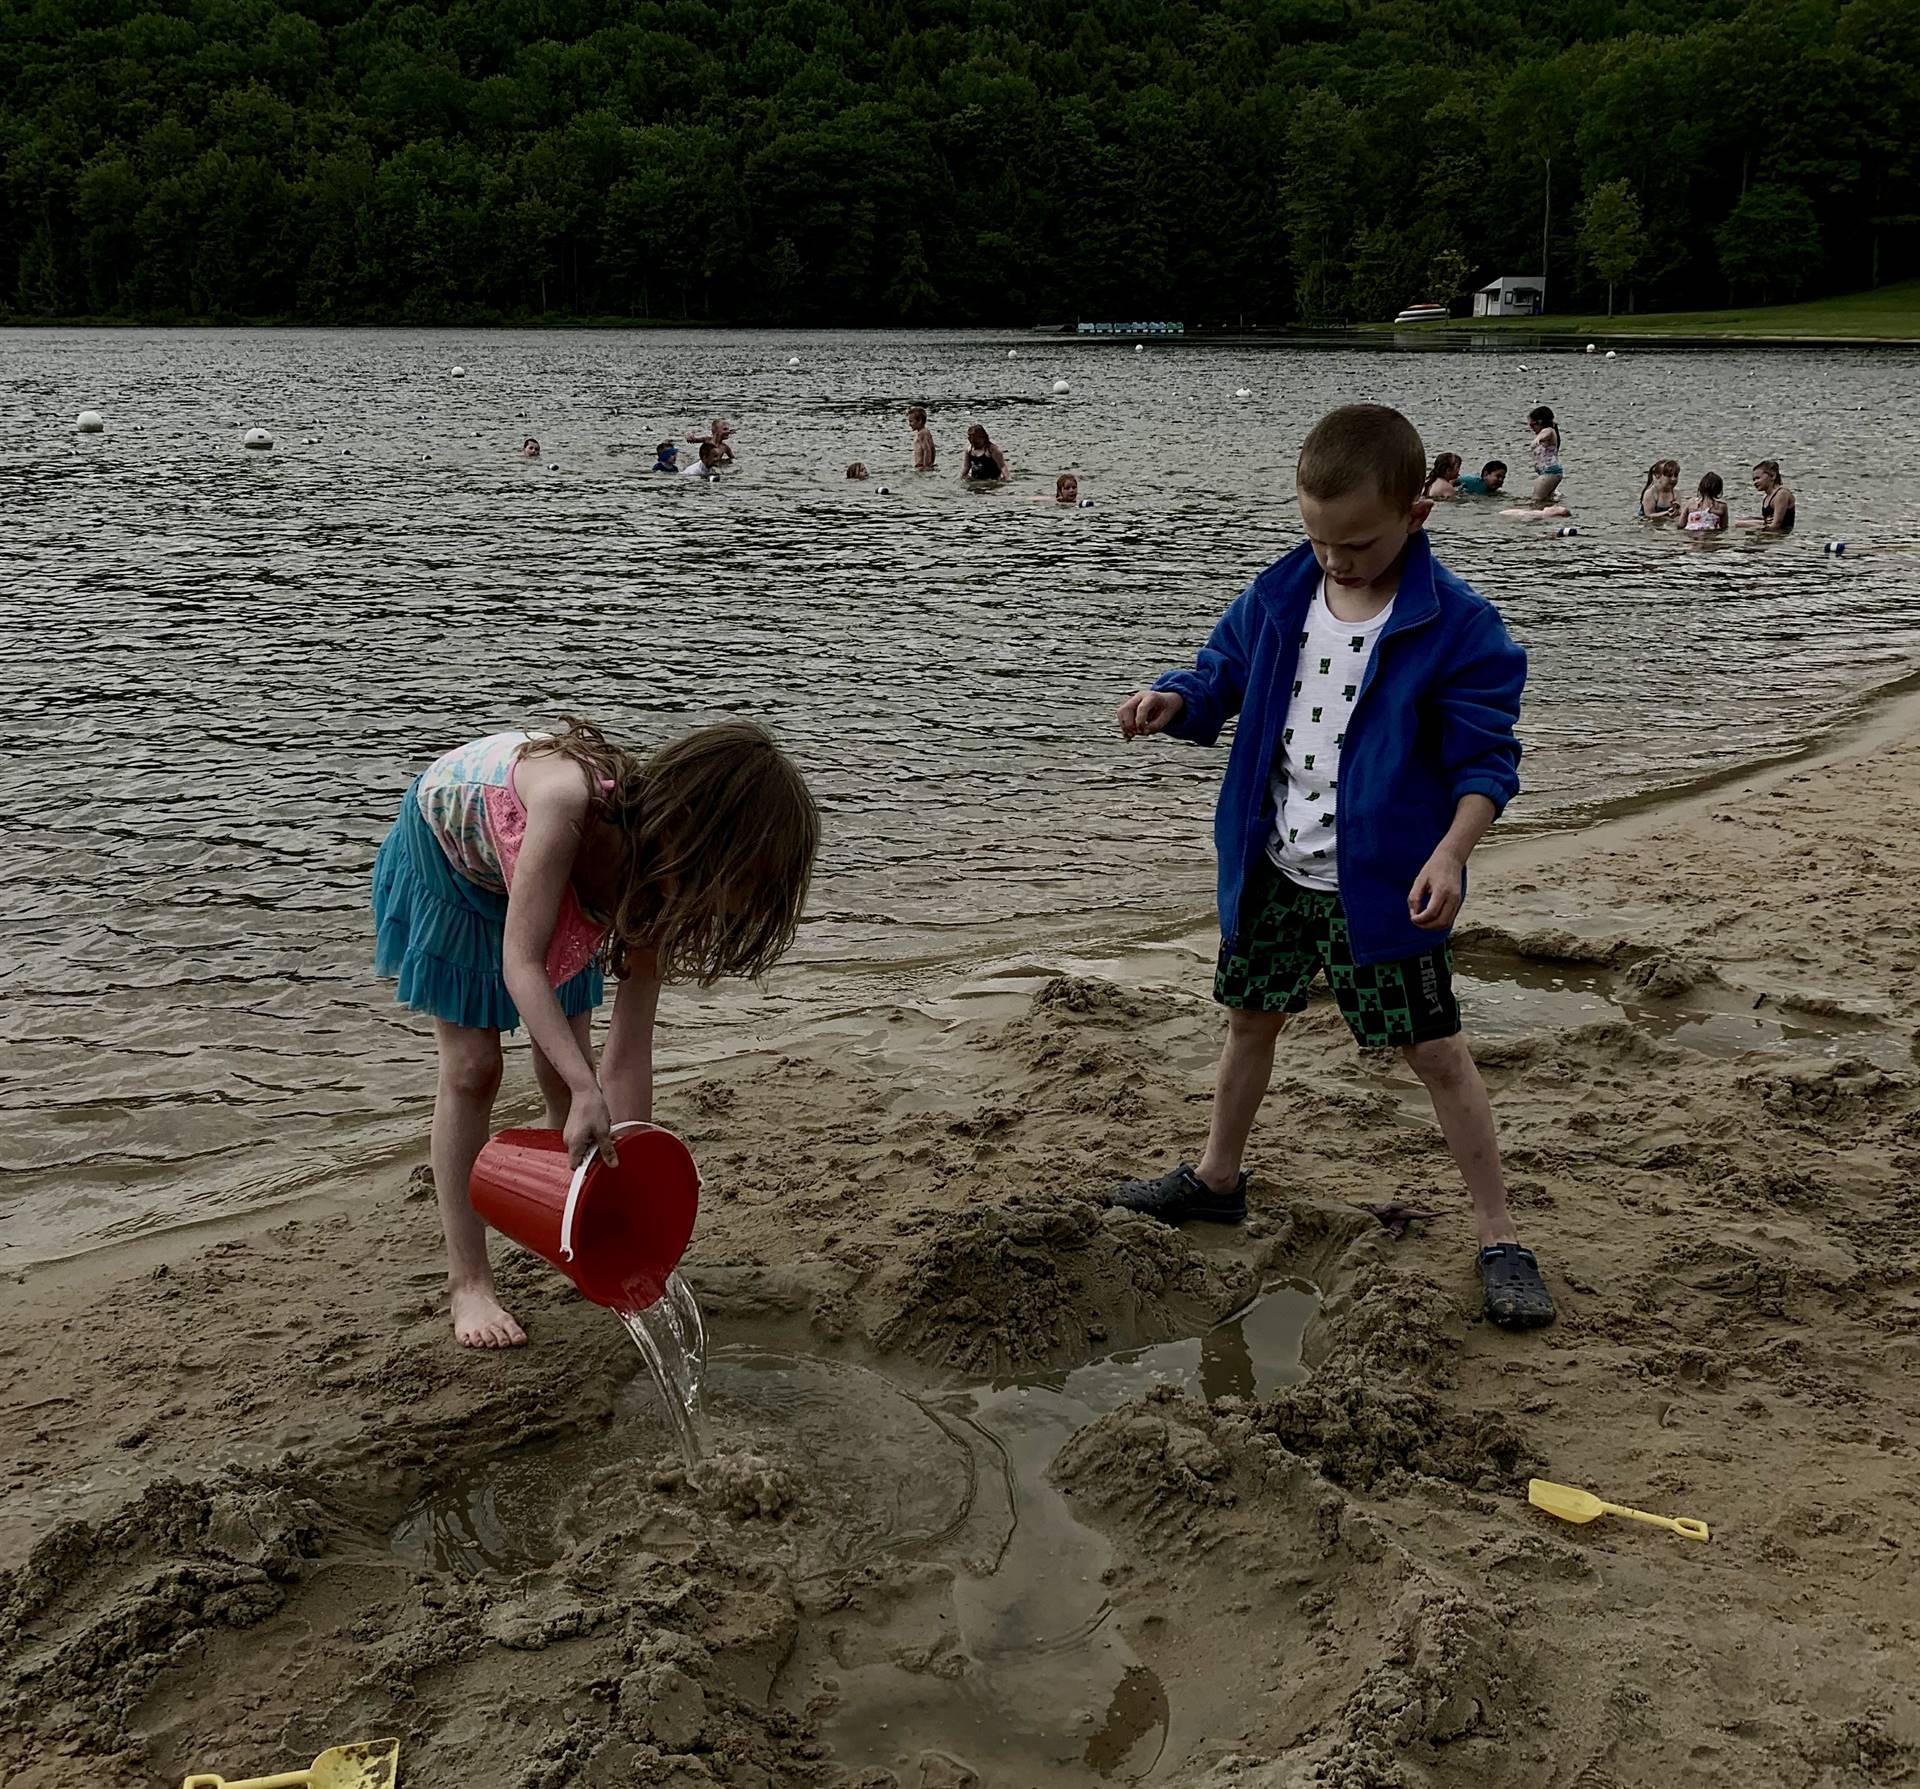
column 1334, row 656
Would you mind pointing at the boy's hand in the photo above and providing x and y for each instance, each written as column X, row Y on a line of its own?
column 1150, row 711
column 1434, row 904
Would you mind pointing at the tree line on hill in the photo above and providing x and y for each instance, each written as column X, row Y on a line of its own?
column 952, row 161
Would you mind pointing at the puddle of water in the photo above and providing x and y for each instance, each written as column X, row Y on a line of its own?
column 1007, row 1660
column 1527, row 998
column 672, row 1338
column 1049, row 1690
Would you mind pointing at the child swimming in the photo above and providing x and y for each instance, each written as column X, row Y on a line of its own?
column 1657, row 499
column 719, row 435
column 1777, row 505
column 1484, row 483
column 712, row 457
column 1707, row 513
column 521, row 869
column 857, row 470
column 529, row 449
column 984, row 463
column 1442, row 484
column 666, row 457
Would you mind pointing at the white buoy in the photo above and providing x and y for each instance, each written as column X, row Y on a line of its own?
column 793, row 360
column 1013, row 353
column 1611, row 355
column 1591, row 349
column 459, row 372
column 90, row 422
column 885, row 491
column 1086, row 503
column 1243, row 392
column 1565, row 533
column 1139, row 347
column 1836, row 547
column 1061, row 388
column 256, row 438
column 1523, row 366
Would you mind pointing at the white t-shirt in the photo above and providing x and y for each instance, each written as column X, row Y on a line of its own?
column 1334, row 656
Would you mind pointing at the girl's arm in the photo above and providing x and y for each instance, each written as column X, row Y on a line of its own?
column 626, row 1064
column 554, row 791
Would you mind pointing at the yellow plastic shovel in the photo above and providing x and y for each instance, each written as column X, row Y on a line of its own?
column 367, row 1764
column 1582, row 1506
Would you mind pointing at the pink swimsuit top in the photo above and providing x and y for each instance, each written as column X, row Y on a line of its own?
column 475, row 812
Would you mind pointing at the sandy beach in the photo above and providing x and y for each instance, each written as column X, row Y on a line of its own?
column 216, row 1445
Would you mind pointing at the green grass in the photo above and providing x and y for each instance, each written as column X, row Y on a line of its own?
column 1892, row 313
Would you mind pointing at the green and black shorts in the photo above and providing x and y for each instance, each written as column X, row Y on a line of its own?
column 1296, row 933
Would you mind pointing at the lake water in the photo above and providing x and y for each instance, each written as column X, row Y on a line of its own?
column 222, row 667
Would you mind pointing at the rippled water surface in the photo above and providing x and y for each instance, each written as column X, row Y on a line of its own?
column 222, row 667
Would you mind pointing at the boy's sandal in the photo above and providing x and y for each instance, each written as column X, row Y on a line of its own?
column 1517, row 1297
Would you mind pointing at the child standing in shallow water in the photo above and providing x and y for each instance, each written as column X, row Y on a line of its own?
column 1545, row 446
column 521, row 869
column 1707, row 511
column 923, row 449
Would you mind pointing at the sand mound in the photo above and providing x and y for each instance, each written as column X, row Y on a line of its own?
column 1238, row 1547
column 1045, row 1281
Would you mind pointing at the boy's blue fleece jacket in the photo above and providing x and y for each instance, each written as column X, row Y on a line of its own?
column 1433, row 721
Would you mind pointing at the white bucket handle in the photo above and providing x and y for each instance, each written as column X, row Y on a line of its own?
column 580, row 1180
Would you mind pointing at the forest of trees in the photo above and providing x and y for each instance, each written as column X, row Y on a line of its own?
column 989, row 161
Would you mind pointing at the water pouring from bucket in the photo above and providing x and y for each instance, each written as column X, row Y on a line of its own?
column 617, row 1230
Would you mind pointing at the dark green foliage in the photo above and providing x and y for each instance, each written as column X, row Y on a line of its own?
column 852, row 161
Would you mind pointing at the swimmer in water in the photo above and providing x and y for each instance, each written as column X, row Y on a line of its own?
column 529, row 449
column 718, row 435
column 1484, row 483
column 984, row 464
column 1443, row 482
column 1707, row 513
column 1776, row 501
column 858, row 469
column 667, row 457
column 1066, row 488
column 1545, row 446
column 1657, row 499
column 708, row 464
column 923, row 451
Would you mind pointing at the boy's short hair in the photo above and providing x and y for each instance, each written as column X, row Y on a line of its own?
column 917, row 417
column 1491, row 467
column 1362, row 444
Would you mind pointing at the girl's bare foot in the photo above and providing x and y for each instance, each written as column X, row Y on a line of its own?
column 481, row 1321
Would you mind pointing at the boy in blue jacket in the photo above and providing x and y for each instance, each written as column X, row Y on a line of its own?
column 1376, row 695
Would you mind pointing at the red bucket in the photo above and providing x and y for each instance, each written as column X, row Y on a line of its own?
column 615, row 1232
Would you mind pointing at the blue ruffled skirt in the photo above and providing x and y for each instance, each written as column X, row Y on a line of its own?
column 442, row 937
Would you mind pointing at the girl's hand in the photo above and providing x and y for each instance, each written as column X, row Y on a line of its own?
column 590, row 1127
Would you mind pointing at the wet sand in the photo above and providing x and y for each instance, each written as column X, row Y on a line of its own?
column 220, row 1449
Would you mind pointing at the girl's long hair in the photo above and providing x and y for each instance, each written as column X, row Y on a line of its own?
column 1445, row 465
column 717, row 834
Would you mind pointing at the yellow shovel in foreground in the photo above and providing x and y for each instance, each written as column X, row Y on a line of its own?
column 1582, row 1506
column 368, row 1764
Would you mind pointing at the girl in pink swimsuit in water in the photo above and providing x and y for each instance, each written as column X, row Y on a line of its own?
column 524, row 867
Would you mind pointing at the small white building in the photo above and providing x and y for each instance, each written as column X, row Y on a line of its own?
column 1512, row 295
